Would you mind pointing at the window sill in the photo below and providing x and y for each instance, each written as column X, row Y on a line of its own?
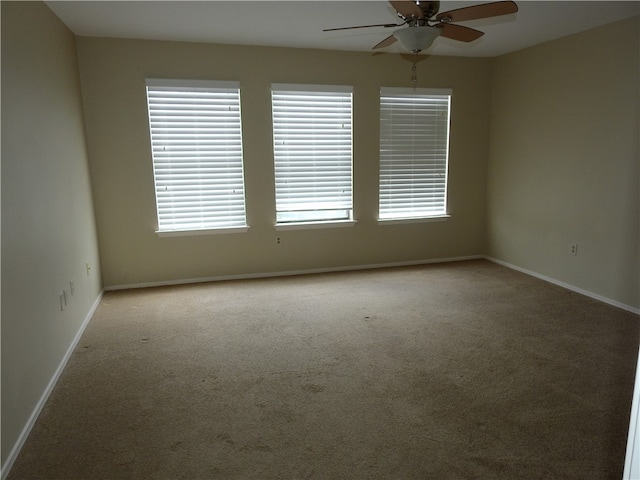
column 208, row 231
column 398, row 221
column 309, row 225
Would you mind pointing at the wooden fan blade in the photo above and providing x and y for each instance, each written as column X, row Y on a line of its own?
column 474, row 12
column 460, row 33
column 390, row 40
column 407, row 8
column 386, row 25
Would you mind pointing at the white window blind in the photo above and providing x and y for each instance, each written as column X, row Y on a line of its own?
column 312, row 138
column 414, row 146
column 196, row 142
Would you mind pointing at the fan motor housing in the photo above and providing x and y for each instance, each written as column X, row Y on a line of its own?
column 428, row 8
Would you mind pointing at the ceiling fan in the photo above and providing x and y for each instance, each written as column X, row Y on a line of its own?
column 425, row 24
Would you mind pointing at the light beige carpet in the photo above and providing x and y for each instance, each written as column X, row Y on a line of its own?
column 465, row 370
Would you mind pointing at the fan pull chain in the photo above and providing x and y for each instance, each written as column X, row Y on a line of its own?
column 414, row 74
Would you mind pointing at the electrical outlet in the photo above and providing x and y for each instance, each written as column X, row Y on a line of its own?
column 573, row 249
column 278, row 240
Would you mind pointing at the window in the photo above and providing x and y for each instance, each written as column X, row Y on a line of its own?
column 414, row 145
column 196, row 144
column 312, row 143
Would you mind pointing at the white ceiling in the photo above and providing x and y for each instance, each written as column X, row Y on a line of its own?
column 299, row 24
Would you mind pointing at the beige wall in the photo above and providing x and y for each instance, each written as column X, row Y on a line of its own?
column 564, row 161
column 113, row 73
column 48, row 229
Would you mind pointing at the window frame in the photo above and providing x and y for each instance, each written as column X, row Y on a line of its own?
column 289, row 162
column 216, row 155
column 437, row 210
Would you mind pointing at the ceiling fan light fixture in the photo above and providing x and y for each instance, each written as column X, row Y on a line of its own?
column 418, row 38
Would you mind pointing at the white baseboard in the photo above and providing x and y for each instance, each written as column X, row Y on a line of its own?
column 45, row 396
column 568, row 286
column 290, row 273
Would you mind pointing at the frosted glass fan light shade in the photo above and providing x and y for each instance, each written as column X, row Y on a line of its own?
column 416, row 38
